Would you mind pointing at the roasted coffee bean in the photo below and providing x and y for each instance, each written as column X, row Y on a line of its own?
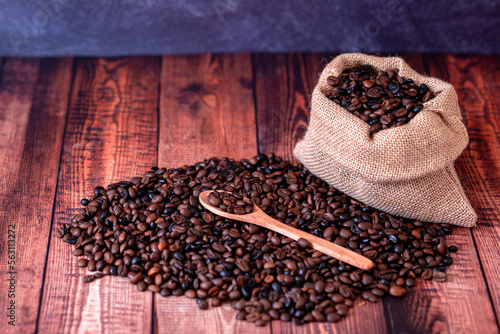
column 203, row 304
column 88, row 279
column 303, row 243
column 397, row 291
column 439, row 276
column 82, row 263
column 382, row 99
column 61, row 232
column 98, row 190
column 333, row 317
column 142, row 286
column 158, row 235
column 91, row 265
column 427, row 274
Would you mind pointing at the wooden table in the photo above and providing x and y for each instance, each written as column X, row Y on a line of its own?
column 68, row 125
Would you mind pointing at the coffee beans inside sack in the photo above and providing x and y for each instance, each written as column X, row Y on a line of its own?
column 403, row 165
column 383, row 99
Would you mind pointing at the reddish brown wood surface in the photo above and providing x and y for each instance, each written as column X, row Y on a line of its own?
column 283, row 87
column 110, row 135
column 34, row 99
column 206, row 109
column 126, row 115
column 477, row 81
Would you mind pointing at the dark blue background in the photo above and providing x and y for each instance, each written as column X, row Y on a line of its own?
column 113, row 28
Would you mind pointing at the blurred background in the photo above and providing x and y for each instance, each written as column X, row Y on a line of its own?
column 154, row 27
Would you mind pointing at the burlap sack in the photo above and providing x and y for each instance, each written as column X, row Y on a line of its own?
column 406, row 171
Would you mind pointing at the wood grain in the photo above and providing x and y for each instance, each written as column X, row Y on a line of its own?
column 477, row 81
column 34, row 95
column 206, row 109
column 111, row 135
column 283, row 88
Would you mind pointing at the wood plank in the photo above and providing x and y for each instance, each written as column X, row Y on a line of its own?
column 477, row 81
column 283, row 88
column 460, row 304
column 284, row 83
column 34, row 95
column 206, row 109
column 111, row 135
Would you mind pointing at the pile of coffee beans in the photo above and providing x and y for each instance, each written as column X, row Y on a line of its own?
column 382, row 99
column 153, row 230
column 230, row 203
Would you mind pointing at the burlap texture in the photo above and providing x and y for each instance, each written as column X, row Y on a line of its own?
column 406, row 171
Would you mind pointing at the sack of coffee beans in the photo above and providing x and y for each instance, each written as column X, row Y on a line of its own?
column 388, row 136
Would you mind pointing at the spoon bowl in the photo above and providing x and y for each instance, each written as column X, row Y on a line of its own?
column 260, row 218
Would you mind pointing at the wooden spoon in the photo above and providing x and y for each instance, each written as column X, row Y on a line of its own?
column 260, row 218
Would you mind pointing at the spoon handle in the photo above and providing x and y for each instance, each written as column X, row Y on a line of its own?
column 343, row 254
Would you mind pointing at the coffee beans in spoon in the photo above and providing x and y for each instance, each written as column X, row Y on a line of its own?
column 382, row 99
column 230, row 203
column 152, row 230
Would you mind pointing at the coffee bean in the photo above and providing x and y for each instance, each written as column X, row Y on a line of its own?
column 113, row 270
column 98, row 190
column 134, row 277
column 447, row 261
column 439, row 276
column 332, row 81
column 203, row 304
column 91, row 265
column 380, row 98
column 328, row 233
column 82, row 263
column 333, row 317
column 427, row 274
column 88, row 279
column 366, row 83
column 397, row 291
column 141, row 286
column 253, row 317
column 345, row 233
column 158, row 235
column 179, row 256
column 61, row 232
column 410, row 282
column 190, row 294
column 303, row 243
column 71, row 239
